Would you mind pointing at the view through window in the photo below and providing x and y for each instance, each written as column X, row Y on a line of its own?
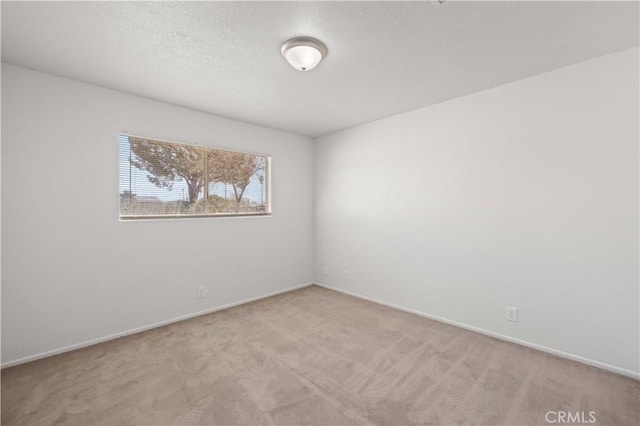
column 164, row 179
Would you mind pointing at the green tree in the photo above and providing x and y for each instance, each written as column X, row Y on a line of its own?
column 168, row 163
column 126, row 195
column 234, row 168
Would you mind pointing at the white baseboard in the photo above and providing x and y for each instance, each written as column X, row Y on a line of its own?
column 612, row 368
column 146, row 327
column 562, row 354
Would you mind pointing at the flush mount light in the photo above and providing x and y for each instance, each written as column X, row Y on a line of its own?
column 304, row 53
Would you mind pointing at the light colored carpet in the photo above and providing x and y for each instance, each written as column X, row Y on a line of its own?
column 311, row 356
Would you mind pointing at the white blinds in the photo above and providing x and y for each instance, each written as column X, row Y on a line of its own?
column 164, row 179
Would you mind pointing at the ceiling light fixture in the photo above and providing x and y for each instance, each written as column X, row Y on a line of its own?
column 303, row 53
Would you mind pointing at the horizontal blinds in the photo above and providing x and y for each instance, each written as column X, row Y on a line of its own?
column 165, row 179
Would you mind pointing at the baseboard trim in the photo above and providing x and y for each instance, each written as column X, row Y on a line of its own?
column 593, row 363
column 147, row 327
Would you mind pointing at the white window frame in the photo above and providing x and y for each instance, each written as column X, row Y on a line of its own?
column 267, row 185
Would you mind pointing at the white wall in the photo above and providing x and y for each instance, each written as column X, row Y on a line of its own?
column 523, row 195
column 72, row 272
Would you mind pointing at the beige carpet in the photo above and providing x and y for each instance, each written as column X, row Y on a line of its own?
column 311, row 356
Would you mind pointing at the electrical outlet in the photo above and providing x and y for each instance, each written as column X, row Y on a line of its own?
column 347, row 276
column 512, row 314
column 325, row 271
column 200, row 293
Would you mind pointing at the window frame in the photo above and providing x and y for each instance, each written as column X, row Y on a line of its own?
column 267, row 184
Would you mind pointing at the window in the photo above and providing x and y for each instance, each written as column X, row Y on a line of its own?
column 161, row 179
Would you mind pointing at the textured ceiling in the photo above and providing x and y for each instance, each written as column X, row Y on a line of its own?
column 384, row 57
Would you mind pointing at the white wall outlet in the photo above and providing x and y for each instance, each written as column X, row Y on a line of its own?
column 200, row 292
column 512, row 314
column 347, row 276
column 325, row 270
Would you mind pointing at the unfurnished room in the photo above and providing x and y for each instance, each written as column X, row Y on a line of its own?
column 320, row 213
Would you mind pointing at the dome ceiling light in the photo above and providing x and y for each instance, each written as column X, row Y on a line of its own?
column 303, row 53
